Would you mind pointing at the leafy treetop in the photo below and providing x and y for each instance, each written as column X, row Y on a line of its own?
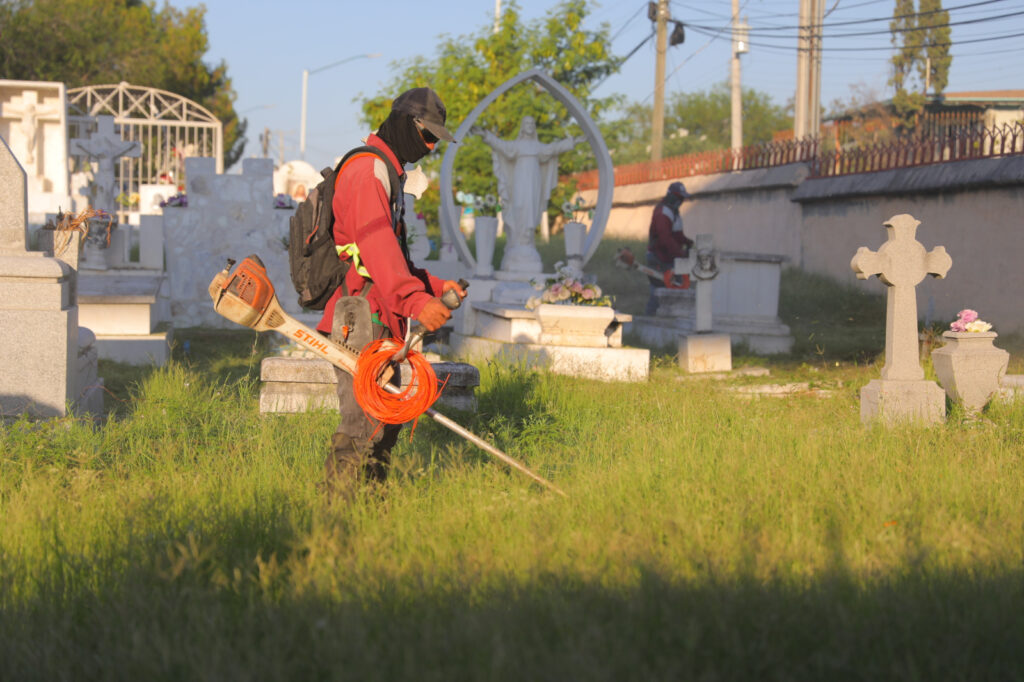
column 97, row 42
column 468, row 68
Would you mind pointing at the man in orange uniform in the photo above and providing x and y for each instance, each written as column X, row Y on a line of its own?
column 369, row 231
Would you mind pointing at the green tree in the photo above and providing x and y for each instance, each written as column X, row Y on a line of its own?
column 922, row 41
column 97, row 42
column 699, row 121
column 468, row 68
column 933, row 68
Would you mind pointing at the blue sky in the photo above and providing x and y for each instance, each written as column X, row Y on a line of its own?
column 268, row 44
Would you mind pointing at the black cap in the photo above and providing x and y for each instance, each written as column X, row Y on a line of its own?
column 426, row 108
column 679, row 189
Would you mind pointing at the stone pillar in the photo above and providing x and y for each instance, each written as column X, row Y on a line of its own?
column 39, row 336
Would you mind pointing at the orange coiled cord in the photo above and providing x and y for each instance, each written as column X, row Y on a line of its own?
column 393, row 408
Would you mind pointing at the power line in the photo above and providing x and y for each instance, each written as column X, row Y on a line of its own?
column 762, row 32
column 628, row 22
column 867, row 48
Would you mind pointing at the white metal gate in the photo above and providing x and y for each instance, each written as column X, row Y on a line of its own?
column 167, row 126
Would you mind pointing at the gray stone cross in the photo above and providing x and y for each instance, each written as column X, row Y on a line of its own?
column 104, row 146
column 901, row 263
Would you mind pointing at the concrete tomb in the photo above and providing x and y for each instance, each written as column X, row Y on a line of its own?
column 296, row 179
column 902, row 394
column 47, row 363
column 733, row 295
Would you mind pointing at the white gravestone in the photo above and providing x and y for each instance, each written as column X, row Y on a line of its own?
column 527, row 171
column 33, row 119
column 901, row 263
column 703, row 351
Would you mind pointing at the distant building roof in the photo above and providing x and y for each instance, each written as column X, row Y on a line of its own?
column 988, row 96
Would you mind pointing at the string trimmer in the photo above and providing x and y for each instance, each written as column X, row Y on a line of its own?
column 624, row 258
column 247, row 297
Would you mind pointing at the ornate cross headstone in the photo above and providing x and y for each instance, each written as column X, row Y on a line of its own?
column 901, row 263
column 104, row 147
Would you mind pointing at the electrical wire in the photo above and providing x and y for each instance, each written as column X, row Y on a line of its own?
column 867, row 48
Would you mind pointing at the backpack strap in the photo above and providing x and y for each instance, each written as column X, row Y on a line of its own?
column 396, row 183
column 395, row 192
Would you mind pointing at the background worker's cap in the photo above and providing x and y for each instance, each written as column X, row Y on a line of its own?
column 426, row 108
column 679, row 190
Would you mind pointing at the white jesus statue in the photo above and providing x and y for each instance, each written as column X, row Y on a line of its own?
column 527, row 171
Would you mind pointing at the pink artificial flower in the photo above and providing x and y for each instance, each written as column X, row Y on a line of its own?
column 588, row 294
column 967, row 315
column 958, row 326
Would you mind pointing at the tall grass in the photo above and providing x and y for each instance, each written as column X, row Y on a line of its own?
column 705, row 536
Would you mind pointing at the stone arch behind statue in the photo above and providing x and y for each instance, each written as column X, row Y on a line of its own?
column 606, row 172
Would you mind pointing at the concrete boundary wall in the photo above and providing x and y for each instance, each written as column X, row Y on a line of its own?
column 974, row 208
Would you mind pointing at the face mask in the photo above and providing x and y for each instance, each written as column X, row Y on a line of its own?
column 400, row 133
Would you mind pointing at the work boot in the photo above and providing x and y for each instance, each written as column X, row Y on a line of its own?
column 349, row 465
column 342, row 469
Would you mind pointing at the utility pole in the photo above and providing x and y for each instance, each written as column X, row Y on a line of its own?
column 807, row 100
column 803, row 54
column 814, row 88
column 658, row 118
column 739, row 46
column 497, row 16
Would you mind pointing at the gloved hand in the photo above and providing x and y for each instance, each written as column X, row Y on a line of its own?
column 450, row 285
column 434, row 315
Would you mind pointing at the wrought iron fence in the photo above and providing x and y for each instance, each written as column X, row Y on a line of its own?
column 950, row 144
column 969, row 141
column 702, row 163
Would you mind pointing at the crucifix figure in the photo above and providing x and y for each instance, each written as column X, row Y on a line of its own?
column 104, row 146
column 901, row 263
column 30, row 113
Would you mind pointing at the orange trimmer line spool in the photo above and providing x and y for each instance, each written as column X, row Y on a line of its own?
column 393, row 408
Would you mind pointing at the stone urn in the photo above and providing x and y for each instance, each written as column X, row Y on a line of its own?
column 969, row 367
column 574, row 325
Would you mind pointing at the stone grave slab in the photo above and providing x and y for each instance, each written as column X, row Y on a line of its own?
column 295, row 384
column 705, row 353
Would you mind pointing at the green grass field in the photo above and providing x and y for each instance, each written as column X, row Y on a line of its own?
column 706, row 535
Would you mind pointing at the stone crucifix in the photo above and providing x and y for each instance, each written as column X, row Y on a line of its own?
column 104, row 146
column 31, row 112
column 901, row 263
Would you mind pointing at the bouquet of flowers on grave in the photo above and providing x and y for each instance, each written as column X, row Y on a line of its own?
column 967, row 321
column 179, row 199
column 567, row 289
column 282, row 200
